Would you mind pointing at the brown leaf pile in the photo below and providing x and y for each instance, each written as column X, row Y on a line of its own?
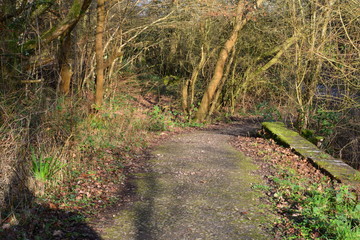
column 93, row 190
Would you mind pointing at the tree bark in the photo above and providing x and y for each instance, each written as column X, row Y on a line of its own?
column 65, row 66
column 99, row 51
column 214, row 103
column 184, row 96
column 240, row 21
column 195, row 74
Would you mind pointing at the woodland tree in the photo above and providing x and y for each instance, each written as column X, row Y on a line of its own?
column 240, row 20
column 100, row 27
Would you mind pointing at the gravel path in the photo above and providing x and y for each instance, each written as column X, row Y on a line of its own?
column 198, row 187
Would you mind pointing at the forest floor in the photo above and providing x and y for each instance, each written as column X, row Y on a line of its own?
column 218, row 182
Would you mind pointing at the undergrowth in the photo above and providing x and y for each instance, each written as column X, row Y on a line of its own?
column 312, row 205
column 316, row 209
column 62, row 158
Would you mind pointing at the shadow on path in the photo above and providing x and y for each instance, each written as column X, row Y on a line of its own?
column 145, row 210
column 246, row 127
column 197, row 187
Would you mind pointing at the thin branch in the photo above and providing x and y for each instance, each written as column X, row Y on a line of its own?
column 347, row 34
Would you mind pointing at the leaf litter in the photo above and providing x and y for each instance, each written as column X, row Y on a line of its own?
column 288, row 177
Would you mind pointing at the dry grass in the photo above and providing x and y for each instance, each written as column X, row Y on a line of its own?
column 13, row 171
column 88, row 145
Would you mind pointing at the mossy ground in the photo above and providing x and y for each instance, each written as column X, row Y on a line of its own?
column 197, row 187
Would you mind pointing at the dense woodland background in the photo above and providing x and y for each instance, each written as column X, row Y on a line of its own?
column 83, row 81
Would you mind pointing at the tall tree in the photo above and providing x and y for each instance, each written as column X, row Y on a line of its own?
column 241, row 19
column 99, row 50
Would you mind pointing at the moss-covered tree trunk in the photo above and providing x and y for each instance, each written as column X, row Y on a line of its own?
column 195, row 75
column 99, row 51
column 76, row 11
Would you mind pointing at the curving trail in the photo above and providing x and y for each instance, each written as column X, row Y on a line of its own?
column 197, row 187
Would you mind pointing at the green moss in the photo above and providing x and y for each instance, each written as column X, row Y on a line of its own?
column 125, row 228
column 334, row 167
column 310, row 136
column 355, row 177
column 75, row 9
column 280, row 132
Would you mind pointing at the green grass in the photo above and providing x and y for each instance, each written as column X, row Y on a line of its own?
column 44, row 169
column 261, row 187
column 330, row 213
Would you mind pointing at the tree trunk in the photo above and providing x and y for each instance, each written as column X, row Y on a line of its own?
column 65, row 66
column 99, row 51
column 219, row 68
column 195, row 74
column 214, row 102
column 184, row 96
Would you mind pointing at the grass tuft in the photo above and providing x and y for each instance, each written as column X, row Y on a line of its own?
column 44, row 169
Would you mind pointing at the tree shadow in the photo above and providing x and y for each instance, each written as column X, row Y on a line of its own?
column 245, row 127
column 147, row 226
column 144, row 209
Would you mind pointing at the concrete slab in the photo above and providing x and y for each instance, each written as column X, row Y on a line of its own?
column 335, row 167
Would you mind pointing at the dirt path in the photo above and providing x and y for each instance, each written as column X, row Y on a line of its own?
column 197, row 187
